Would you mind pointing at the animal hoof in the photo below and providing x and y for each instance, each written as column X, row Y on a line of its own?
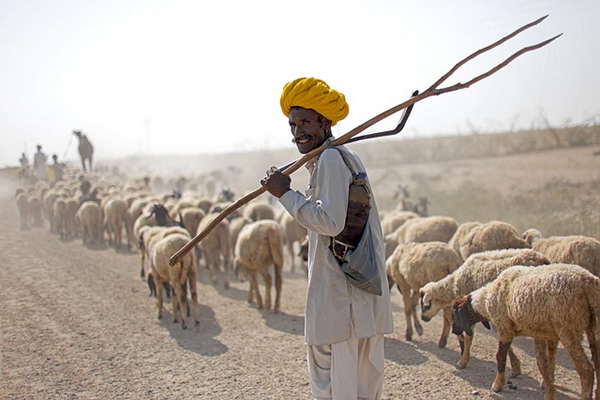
column 461, row 365
column 442, row 343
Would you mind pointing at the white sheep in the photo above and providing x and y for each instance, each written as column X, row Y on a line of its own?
column 493, row 235
column 23, row 207
column 478, row 270
column 419, row 230
column 59, row 216
column 191, row 217
column 552, row 303
column 35, row 209
column 294, row 233
column 412, row 266
column 179, row 276
column 117, row 219
column 459, row 237
column 395, row 219
column 580, row 250
column 216, row 248
column 90, row 218
column 259, row 210
column 260, row 245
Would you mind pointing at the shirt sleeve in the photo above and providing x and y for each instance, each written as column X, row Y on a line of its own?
column 324, row 208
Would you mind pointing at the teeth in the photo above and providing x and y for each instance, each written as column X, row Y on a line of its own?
column 301, row 141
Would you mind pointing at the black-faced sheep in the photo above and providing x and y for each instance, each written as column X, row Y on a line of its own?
column 551, row 303
column 412, row 266
column 179, row 276
column 478, row 270
column 260, row 245
column 580, row 250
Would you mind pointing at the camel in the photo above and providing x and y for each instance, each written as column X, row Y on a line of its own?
column 86, row 149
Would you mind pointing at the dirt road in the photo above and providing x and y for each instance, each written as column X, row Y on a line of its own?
column 77, row 323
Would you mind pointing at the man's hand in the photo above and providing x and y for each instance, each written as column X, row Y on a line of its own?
column 276, row 182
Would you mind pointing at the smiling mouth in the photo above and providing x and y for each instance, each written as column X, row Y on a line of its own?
column 302, row 141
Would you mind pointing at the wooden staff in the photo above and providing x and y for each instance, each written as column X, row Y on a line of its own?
column 433, row 90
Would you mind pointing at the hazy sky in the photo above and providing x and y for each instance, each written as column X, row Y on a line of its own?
column 185, row 77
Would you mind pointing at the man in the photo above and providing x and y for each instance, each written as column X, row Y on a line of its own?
column 39, row 164
column 344, row 325
column 58, row 168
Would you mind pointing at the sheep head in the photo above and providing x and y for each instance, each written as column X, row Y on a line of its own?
column 429, row 305
column 464, row 317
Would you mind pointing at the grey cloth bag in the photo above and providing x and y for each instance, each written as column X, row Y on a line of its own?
column 360, row 265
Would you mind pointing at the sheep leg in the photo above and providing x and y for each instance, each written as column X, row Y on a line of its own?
column 414, row 302
column 467, row 341
column 179, row 298
column 445, row 327
column 254, row 288
column 515, row 363
column 501, row 364
column 268, row 282
column 159, row 299
column 290, row 247
column 278, row 284
column 595, row 361
column 226, row 269
column 194, row 292
column 546, row 367
column 583, row 367
column 407, row 300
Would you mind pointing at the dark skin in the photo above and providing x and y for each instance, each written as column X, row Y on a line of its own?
column 310, row 130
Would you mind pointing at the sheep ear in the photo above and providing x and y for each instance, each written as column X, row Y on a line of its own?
column 486, row 324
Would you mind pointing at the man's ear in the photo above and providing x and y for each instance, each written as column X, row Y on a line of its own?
column 326, row 123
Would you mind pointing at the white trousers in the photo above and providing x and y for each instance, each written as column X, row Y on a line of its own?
column 348, row 370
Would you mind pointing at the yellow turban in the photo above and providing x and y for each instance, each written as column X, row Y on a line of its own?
column 316, row 95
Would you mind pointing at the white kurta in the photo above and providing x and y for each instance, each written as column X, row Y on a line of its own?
column 331, row 301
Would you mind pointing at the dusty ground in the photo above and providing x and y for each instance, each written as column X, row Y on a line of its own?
column 77, row 323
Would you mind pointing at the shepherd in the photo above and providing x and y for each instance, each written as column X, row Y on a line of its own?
column 86, row 149
column 344, row 324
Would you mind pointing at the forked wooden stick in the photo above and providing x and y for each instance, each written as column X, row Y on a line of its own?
column 432, row 91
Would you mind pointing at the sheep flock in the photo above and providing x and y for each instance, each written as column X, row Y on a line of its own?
column 522, row 284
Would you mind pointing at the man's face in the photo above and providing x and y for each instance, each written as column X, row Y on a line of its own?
column 309, row 128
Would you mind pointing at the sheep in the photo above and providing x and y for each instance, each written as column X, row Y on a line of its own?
column 23, row 207
column 395, row 219
column 35, row 209
column 71, row 223
column 179, row 276
column 294, row 232
column 90, row 218
column 476, row 271
column 260, row 245
column 216, row 246
column 410, row 267
column 556, row 302
column 48, row 206
column 459, row 237
column 580, row 250
column 419, row 230
column 493, row 235
column 150, row 235
column 59, row 216
column 191, row 217
column 116, row 218
column 257, row 211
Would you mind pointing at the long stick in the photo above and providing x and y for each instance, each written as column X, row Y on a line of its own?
column 432, row 91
